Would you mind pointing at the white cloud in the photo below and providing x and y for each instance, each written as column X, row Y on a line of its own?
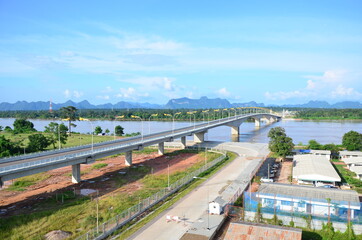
column 130, row 94
column 342, row 91
column 67, row 93
column 72, row 94
column 311, row 84
column 223, row 92
column 328, row 86
column 163, row 83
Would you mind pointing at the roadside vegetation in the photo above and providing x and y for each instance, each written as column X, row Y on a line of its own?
column 77, row 214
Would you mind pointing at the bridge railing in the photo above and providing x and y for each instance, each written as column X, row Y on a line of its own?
column 107, row 228
column 89, row 153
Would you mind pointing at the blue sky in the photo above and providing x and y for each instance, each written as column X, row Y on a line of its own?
column 151, row 51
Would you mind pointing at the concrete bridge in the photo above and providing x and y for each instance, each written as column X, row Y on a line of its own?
column 24, row 165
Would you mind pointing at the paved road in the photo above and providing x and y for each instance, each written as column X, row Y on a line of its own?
column 193, row 206
column 53, row 154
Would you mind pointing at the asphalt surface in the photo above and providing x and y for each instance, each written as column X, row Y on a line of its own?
column 175, row 132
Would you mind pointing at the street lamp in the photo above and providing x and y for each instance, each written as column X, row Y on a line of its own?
column 133, row 116
column 208, row 214
column 149, row 122
column 85, row 119
column 222, row 112
column 215, row 115
column 203, row 114
column 192, row 113
column 234, row 111
column 114, row 125
column 173, row 119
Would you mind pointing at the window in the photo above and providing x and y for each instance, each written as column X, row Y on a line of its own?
column 286, row 203
column 301, row 204
column 269, row 202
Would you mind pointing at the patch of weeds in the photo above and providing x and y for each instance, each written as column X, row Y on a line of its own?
column 99, row 165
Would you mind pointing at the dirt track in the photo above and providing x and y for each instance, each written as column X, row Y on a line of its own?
column 17, row 202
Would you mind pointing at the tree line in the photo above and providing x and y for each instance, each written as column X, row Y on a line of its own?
column 55, row 134
column 329, row 114
column 282, row 145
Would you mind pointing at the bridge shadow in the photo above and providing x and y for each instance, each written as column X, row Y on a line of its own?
column 109, row 183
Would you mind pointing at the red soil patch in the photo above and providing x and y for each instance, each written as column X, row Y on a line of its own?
column 97, row 179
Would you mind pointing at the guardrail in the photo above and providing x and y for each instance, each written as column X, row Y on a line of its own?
column 169, row 134
column 107, row 228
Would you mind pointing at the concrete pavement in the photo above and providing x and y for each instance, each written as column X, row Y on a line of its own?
column 192, row 208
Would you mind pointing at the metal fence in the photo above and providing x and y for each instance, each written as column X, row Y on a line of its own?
column 306, row 208
column 108, row 227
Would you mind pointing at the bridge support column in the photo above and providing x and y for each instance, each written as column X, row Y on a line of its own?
column 128, row 161
column 235, row 130
column 76, row 173
column 183, row 142
column 257, row 122
column 161, row 148
column 199, row 137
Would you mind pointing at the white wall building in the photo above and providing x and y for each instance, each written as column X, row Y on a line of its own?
column 311, row 169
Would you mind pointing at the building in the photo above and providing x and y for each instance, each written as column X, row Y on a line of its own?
column 259, row 231
column 348, row 154
column 352, row 161
column 357, row 170
column 313, row 169
column 217, row 206
column 306, row 199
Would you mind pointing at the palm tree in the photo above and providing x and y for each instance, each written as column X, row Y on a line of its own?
column 69, row 114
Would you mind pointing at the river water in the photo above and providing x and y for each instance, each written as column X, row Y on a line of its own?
column 299, row 130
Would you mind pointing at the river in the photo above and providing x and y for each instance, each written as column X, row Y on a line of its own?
column 299, row 130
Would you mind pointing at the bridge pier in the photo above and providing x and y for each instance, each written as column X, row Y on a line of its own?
column 235, row 130
column 76, row 173
column 183, row 142
column 257, row 122
column 199, row 137
column 161, row 148
column 128, row 161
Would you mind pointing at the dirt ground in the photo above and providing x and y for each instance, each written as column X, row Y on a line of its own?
column 284, row 172
column 18, row 202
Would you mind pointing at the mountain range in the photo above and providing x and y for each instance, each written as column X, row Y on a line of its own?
column 178, row 103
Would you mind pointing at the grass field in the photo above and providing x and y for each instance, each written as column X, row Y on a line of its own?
column 73, row 140
column 77, row 214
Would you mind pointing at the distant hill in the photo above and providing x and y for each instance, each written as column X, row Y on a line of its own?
column 178, row 103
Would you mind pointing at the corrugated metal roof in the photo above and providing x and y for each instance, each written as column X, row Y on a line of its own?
column 356, row 169
column 251, row 231
column 327, row 152
column 306, row 192
column 351, row 160
column 351, row 153
column 314, row 168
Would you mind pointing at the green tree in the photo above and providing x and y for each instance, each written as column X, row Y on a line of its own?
column 276, row 132
column 107, row 131
column 352, row 141
column 313, row 144
column 98, row 130
column 57, row 132
column 8, row 148
column 37, row 142
column 8, row 129
column 69, row 113
column 23, row 126
column 1, row 128
column 119, row 130
column 279, row 142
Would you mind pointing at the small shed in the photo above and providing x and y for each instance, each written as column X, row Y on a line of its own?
column 217, row 206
